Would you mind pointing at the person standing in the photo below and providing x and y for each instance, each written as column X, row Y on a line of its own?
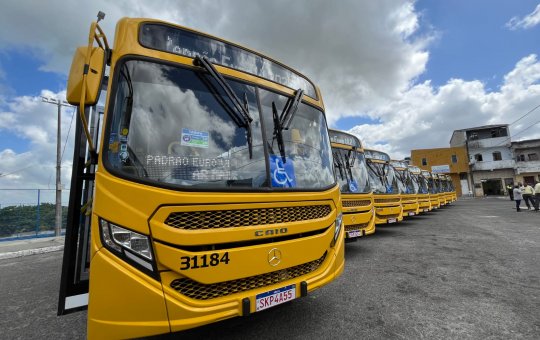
column 536, row 195
column 509, row 188
column 517, row 197
column 528, row 193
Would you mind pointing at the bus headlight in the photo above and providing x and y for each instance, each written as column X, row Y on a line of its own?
column 127, row 244
column 337, row 229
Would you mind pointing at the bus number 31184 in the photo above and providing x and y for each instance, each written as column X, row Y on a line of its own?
column 203, row 261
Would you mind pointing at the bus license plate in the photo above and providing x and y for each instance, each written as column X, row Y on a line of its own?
column 275, row 297
column 354, row 233
column 392, row 220
column 411, row 214
column 426, row 210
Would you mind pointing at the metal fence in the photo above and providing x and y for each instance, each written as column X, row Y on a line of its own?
column 29, row 213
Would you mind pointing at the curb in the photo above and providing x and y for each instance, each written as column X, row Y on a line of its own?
column 27, row 252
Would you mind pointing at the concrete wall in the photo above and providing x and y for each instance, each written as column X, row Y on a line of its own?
column 478, row 176
column 443, row 156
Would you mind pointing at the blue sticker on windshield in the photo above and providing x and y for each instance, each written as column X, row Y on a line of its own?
column 353, row 185
column 282, row 174
column 389, row 189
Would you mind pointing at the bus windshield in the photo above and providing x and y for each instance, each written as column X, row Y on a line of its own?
column 351, row 171
column 175, row 126
column 382, row 178
column 405, row 183
column 420, row 183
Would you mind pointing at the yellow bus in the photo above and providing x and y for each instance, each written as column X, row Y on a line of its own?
column 210, row 193
column 421, row 186
column 444, row 197
column 383, row 181
column 356, row 196
column 451, row 188
column 433, row 190
column 443, row 180
column 409, row 199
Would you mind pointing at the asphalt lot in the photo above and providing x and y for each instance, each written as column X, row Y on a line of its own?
column 468, row 271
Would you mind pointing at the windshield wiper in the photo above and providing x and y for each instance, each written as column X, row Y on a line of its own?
column 283, row 121
column 338, row 163
column 375, row 170
column 349, row 154
column 240, row 113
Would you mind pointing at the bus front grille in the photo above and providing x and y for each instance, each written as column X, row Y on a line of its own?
column 387, row 200
column 213, row 219
column 354, row 227
column 387, row 216
column 200, row 291
column 355, row 203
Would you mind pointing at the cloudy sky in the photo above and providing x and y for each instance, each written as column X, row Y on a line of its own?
column 401, row 75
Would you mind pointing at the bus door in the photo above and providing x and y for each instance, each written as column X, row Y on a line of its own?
column 76, row 262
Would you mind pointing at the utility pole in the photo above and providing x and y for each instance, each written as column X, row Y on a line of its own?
column 58, row 210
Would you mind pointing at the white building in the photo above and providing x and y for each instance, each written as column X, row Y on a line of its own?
column 491, row 160
column 527, row 156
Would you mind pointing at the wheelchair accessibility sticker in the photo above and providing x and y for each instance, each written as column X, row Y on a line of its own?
column 282, row 173
column 353, row 185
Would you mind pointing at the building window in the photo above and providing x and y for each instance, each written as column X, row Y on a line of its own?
column 473, row 136
column 424, row 161
column 478, row 157
column 497, row 156
column 499, row 132
column 533, row 156
column 521, row 158
column 454, row 159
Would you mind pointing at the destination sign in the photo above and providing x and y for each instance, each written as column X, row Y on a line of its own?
column 399, row 164
column 189, row 44
column 414, row 169
column 344, row 138
column 379, row 155
column 426, row 173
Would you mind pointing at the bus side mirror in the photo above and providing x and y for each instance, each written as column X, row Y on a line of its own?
column 94, row 76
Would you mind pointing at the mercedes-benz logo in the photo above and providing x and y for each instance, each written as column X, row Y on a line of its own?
column 274, row 257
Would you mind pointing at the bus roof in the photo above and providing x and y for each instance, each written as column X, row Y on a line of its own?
column 344, row 138
column 175, row 39
column 377, row 155
column 399, row 164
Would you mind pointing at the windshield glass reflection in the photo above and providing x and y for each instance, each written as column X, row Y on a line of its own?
column 176, row 126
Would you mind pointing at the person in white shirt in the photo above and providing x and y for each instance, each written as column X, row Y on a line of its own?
column 517, row 197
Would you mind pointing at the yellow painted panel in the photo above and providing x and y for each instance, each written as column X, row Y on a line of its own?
column 123, row 303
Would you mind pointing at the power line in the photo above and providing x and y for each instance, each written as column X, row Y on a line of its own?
column 526, row 129
column 524, row 115
column 67, row 136
column 520, row 118
column 13, row 172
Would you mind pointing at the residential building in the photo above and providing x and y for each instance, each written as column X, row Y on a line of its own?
column 452, row 161
column 527, row 157
column 490, row 157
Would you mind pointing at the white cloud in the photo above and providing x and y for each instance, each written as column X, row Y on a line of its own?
column 365, row 55
column 361, row 53
column 35, row 121
column 424, row 116
column 528, row 21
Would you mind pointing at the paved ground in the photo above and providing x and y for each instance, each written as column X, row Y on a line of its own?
column 467, row 271
column 31, row 246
